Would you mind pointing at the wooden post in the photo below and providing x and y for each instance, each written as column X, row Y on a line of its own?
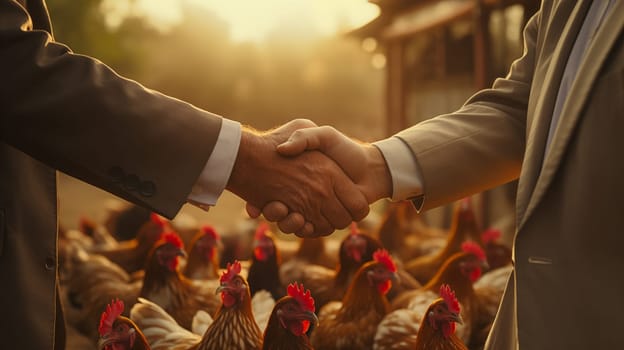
column 395, row 87
column 481, row 46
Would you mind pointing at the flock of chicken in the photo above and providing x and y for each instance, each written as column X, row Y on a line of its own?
column 403, row 286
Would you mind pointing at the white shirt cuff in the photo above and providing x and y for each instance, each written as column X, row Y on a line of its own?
column 406, row 176
column 214, row 177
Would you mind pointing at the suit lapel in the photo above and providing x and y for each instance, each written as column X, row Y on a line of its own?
column 597, row 53
column 568, row 15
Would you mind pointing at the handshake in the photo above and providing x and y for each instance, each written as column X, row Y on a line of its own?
column 310, row 180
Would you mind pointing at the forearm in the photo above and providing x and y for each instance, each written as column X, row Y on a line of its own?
column 75, row 114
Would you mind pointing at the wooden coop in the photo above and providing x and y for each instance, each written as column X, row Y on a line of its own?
column 436, row 54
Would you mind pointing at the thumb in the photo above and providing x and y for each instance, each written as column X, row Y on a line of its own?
column 303, row 140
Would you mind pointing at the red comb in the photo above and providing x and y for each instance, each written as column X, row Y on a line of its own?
column 303, row 297
column 172, row 238
column 449, row 298
column 261, row 231
column 230, row 271
column 158, row 220
column 113, row 310
column 210, row 231
column 473, row 248
column 354, row 230
column 490, row 235
column 382, row 256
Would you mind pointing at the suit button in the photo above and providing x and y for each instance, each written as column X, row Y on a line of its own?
column 131, row 182
column 116, row 173
column 147, row 188
column 49, row 264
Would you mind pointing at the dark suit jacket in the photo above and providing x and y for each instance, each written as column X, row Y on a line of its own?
column 566, row 291
column 60, row 110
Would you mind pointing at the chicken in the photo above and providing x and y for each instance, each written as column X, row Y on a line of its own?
column 95, row 280
column 351, row 324
column 437, row 328
column 89, row 284
column 463, row 228
column 234, row 326
column 433, row 329
column 124, row 220
column 118, row 332
column 265, row 261
column 132, row 254
column 101, row 237
column 291, row 321
column 165, row 285
column 331, row 284
column 489, row 290
column 88, row 237
column 403, row 232
column 498, row 254
column 399, row 328
column 310, row 251
column 203, row 255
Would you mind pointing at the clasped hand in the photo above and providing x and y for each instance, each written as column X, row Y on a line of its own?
column 320, row 181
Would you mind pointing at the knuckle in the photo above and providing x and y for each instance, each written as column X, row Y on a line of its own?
column 303, row 122
column 297, row 134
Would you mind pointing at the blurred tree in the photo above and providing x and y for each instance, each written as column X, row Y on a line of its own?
column 81, row 25
column 327, row 79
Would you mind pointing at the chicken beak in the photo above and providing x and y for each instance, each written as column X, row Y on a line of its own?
column 456, row 318
column 314, row 321
column 182, row 253
column 222, row 288
column 484, row 265
column 311, row 316
column 394, row 277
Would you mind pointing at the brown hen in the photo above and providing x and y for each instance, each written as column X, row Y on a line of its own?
column 351, row 324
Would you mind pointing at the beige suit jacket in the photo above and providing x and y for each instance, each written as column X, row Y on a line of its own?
column 59, row 110
column 566, row 291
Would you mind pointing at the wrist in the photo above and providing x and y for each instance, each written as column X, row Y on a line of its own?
column 379, row 183
column 249, row 142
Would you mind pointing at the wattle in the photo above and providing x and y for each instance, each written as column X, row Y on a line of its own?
column 448, row 328
column 384, row 287
column 227, row 299
column 475, row 274
column 260, row 254
column 173, row 264
column 299, row 328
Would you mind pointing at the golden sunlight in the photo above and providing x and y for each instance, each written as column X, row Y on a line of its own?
column 253, row 20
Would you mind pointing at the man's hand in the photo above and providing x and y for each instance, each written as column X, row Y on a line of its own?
column 310, row 184
column 363, row 162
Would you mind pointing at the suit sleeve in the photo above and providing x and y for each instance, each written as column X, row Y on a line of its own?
column 75, row 114
column 481, row 145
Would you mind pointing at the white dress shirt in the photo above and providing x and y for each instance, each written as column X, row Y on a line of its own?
column 214, row 177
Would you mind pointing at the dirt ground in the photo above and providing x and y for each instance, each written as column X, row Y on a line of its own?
column 77, row 199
